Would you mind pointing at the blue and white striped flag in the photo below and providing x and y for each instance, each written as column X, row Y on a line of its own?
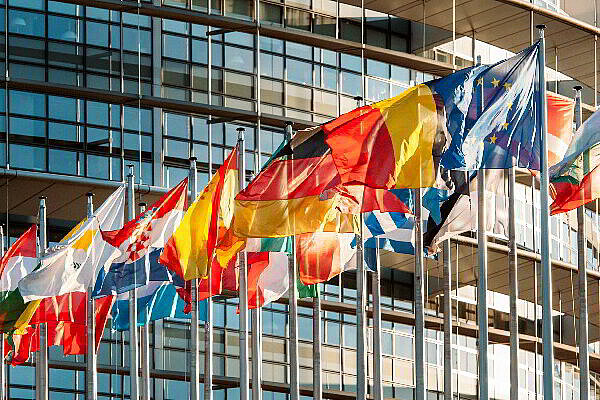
column 395, row 231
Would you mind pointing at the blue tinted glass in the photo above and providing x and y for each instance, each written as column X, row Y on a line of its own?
column 269, row 44
column 175, row 26
column 279, row 324
column 57, row 7
column 97, row 113
column 27, row 157
column 239, row 59
column 133, row 115
column 299, row 50
column 63, row 28
column 378, row 90
column 378, row 68
column 62, row 108
column 96, row 134
column 200, row 51
column 130, row 40
column 176, row 175
column 350, row 62
column 200, row 129
column 217, row 54
column 33, row 4
column 177, row 125
column 21, row 375
column 58, row 131
column 240, row 38
column 299, row 72
column 175, row 47
column 62, row 162
column 329, row 78
column 115, row 37
column 96, row 13
column 199, row 30
column 351, row 84
column 135, row 19
column 271, row 65
column 27, row 127
column 97, row 166
column 97, row 34
column 177, row 149
column 27, row 103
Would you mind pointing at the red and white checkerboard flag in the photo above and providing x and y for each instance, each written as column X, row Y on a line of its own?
column 152, row 228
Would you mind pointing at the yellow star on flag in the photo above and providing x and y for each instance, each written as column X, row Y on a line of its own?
column 493, row 139
column 505, row 125
column 507, row 85
column 509, row 104
column 480, row 81
column 495, row 82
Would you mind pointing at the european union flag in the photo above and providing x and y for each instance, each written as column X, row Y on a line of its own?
column 507, row 132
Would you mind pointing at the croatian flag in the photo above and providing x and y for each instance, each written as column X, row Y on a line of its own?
column 151, row 229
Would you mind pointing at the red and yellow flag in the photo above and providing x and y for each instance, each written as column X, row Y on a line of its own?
column 193, row 246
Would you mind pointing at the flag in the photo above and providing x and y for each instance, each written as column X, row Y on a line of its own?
column 66, row 319
column 18, row 261
column 156, row 300
column 71, row 265
column 299, row 191
column 268, row 277
column 322, row 256
column 574, row 184
column 151, row 229
column 189, row 252
column 459, row 212
column 399, row 142
column 560, row 126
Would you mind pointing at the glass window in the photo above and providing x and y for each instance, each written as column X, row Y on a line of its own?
column 62, row 162
column 97, row 33
column 26, row 103
column 238, row 8
column 175, row 73
column 58, row 131
column 298, row 50
column 378, row 68
column 175, row 26
column 272, row 45
column 299, row 72
column 350, row 62
column 351, row 84
column 96, row 113
column 62, row 108
column 239, row 59
column 298, row 19
column 271, row 13
column 299, row 97
column 175, row 47
column 28, row 157
column 175, row 148
column 63, row 28
column 200, row 51
column 131, row 40
column 377, row 90
column 27, row 127
column 324, row 25
column 271, row 91
column 271, row 65
column 26, row 23
column 329, row 78
column 239, row 85
column 400, row 74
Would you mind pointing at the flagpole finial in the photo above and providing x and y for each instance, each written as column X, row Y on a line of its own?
column 288, row 123
column 541, row 28
column 478, row 62
column 130, row 166
column 89, row 194
column 142, row 204
column 240, row 132
column 577, row 88
column 358, row 98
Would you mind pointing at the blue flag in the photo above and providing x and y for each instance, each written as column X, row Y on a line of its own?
column 507, row 132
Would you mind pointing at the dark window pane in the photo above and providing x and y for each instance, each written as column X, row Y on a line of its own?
column 27, row 103
column 239, row 59
column 97, row 113
column 175, row 47
column 27, row 157
column 175, row 73
column 62, row 162
column 97, row 33
column 26, row 23
column 65, row 132
column 177, row 125
column 62, row 108
column 97, row 166
column 63, row 28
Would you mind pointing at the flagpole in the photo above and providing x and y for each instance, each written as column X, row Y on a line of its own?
column 361, row 351
column 293, row 304
column 482, row 308
column 133, row 333
column 244, row 381
column 90, row 373
column 2, row 364
column 584, row 357
column 317, row 379
column 145, row 337
column 547, row 326
column 447, row 320
column 208, row 335
column 195, row 337
column 376, row 287
column 513, row 289
column 41, row 362
column 419, row 299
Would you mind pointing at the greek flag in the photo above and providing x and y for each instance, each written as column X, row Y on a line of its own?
column 390, row 231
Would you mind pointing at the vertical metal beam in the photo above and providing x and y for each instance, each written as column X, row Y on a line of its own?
column 145, row 340
column 513, row 288
column 41, row 361
column 447, row 321
column 91, row 376
column 317, row 379
column 361, row 351
column 535, row 286
column 293, row 304
column 133, row 332
column 482, row 308
column 547, row 326
column 195, row 334
column 244, row 381
column 584, row 357
column 376, row 283
column 419, row 300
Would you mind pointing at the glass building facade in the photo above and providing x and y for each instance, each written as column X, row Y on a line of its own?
column 90, row 90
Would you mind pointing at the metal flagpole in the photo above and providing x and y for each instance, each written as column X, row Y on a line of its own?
column 2, row 364
column 482, row 309
column 361, row 353
column 41, row 362
column 208, row 336
column 293, row 304
column 317, row 379
column 547, row 328
column 90, row 373
column 447, row 321
column 513, row 288
column 145, row 340
column 133, row 333
column 195, row 337
column 419, row 299
column 584, row 357
column 256, row 354
column 376, row 282
column 244, row 381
